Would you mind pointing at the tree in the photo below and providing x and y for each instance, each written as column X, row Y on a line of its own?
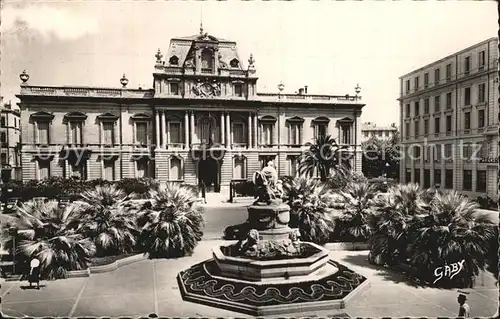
column 377, row 153
column 171, row 222
column 106, row 221
column 324, row 155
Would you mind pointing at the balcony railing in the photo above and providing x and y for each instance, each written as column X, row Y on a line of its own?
column 85, row 92
column 309, row 98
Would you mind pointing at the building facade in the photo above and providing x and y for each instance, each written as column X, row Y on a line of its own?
column 10, row 138
column 203, row 121
column 372, row 130
column 449, row 121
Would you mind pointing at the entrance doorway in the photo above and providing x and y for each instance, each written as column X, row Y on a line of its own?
column 208, row 174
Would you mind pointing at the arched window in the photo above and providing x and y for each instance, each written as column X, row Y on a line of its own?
column 174, row 60
column 239, row 167
column 207, row 126
column 206, row 59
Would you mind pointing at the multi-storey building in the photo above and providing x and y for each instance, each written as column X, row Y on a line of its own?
column 203, row 120
column 449, row 121
column 10, row 138
column 372, row 130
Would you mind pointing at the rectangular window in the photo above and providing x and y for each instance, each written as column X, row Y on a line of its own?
column 141, row 133
column 467, row 151
column 485, row 149
column 437, row 76
column 416, row 152
column 43, row 133
column 426, row 127
column 3, row 122
column 448, row 124
column 437, row 122
column 448, row 100
column 408, row 176
column 75, row 133
column 481, row 181
column 239, row 133
column 294, row 137
column 467, row 65
column 448, row 179
column 239, row 168
column 174, row 88
column 416, row 83
column 142, row 168
column 346, row 134
column 321, row 130
column 175, row 173
column 437, row 153
column 481, row 93
column 417, row 108
column 109, row 170
column 426, row 106
column 238, row 90
column 467, row 120
column 108, row 133
column 407, row 130
column 293, row 165
column 448, row 72
column 481, row 59
column 3, row 137
column 448, row 148
column 407, row 86
column 437, row 178
column 467, row 180
column 175, row 132
column 427, row 178
column 43, row 169
column 408, row 110
column 480, row 119
column 417, row 128
column 467, row 96
column 3, row 158
column 417, row 176
column 267, row 134
column 426, row 80
column 437, row 103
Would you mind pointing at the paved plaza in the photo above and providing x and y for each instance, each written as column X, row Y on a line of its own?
column 150, row 286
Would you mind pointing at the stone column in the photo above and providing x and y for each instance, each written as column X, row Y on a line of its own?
column 157, row 129
column 222, row 129
column 249, row 130
column 255, row 130
column 193, row 138
column 186, row 130
column 161, row 128
column 228, row 130
column 167, row 133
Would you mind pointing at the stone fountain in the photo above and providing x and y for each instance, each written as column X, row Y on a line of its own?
column 271, row 271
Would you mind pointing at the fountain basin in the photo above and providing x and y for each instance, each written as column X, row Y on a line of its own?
column 256, row 270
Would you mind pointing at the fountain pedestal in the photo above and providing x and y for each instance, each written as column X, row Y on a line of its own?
column 271, row 221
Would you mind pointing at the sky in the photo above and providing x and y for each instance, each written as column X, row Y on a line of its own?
column 330, row 46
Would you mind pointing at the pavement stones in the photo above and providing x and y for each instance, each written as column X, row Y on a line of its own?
column 150, row 286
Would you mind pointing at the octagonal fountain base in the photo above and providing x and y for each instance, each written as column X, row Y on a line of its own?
column 271, row 287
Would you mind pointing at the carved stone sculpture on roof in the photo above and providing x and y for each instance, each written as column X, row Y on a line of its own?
column 251, row 62
column 222, row 64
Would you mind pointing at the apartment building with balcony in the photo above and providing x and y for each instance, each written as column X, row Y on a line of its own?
column 449, row 122
column 202, row 121
column 10, row 138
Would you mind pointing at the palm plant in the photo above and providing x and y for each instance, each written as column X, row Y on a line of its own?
column 312, row 208
column 324, row 155
column 171, row 222
column 48, row 233
column 357, row 201
column 106, row 220
column 453, row 230
column 395, row 215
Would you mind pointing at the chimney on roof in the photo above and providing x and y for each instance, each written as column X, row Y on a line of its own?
column 301, row 91
column 305, row 89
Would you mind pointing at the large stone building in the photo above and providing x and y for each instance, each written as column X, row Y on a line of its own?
column 202, row 121
column 450, row 109
column 10, row 138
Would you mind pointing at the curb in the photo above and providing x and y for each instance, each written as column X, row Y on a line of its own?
column 347, row 246
column 96, row 269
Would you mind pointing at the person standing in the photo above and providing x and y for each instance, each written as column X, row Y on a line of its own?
column 34, row 275
column 464, row 310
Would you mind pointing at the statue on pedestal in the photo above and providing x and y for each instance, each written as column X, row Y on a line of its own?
column 268, row 188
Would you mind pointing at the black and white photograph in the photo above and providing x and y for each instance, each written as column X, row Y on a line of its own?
column 249, row 159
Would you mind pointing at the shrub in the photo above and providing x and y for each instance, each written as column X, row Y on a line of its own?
column 312, row 208
column 171, row 222
column 48, row 233
column 139, row 187
column 106, row 221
